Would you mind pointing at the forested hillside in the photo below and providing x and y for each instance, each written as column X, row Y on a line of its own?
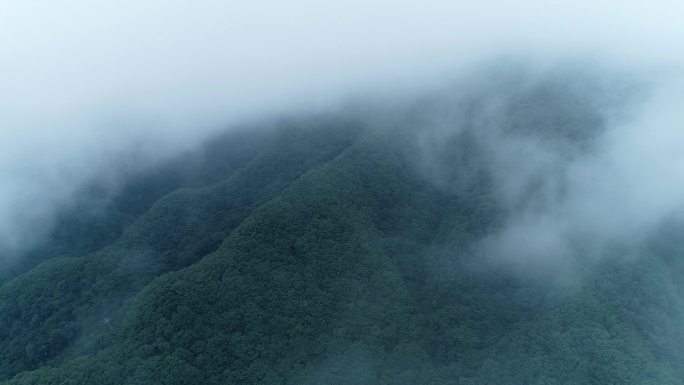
column 353, row 247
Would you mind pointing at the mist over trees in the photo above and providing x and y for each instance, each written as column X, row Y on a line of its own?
column 437, row 239
column 351, row 192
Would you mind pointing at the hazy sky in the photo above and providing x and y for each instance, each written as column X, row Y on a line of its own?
column 80, row 80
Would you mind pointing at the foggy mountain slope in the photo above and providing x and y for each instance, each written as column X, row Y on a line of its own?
column 94, row 285
column 401, row 244
column 107, row 205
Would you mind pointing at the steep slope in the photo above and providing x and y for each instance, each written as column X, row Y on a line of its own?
column 342, row 253
column 49, row 307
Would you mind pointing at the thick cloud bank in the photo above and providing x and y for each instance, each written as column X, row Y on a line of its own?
column 579, row 157
column 85, row 81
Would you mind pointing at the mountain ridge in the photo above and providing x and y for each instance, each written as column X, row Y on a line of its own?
column 329, row 256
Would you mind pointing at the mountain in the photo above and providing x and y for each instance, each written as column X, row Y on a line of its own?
column 354, row 247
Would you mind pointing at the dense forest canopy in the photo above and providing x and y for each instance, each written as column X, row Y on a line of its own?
column 487, row 232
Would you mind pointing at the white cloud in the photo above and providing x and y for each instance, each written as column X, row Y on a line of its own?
column 83, row 79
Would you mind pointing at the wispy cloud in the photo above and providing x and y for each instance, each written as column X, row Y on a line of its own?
column 84, row 80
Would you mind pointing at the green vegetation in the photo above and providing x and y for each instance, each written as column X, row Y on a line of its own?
column 318, row 253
